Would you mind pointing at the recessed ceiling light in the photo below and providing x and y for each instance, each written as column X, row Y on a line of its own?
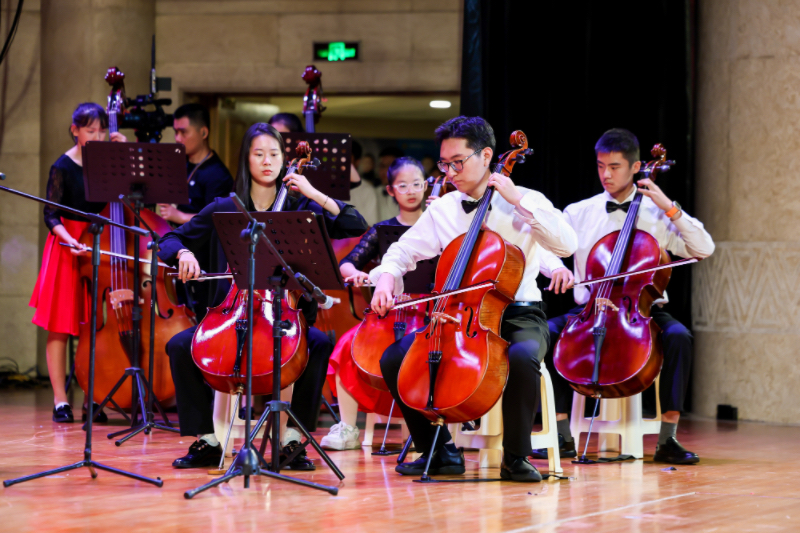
column 440, row 104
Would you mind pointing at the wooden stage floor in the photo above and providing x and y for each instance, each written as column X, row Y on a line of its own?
column 748, row 480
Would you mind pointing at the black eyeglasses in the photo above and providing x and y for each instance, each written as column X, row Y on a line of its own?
column 458, row 165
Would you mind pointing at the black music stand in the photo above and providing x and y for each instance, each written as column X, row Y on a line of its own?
column 335, row 153
column 137, row 174
column 98, row 224
column 418, row 281
column 294, row 240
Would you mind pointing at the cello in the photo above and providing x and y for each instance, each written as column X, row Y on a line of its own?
column 219, row 345
column 115, row 331
column 460, row 352
column 610, row 349
column 376, row 333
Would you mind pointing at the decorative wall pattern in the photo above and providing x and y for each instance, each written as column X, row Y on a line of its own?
column 748, row 287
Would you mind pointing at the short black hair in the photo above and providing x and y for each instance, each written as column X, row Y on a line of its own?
column 290, row 120
column 401, row 162
column 619, row 140
column 393, row 151
column 196, row 113
column 475, row 130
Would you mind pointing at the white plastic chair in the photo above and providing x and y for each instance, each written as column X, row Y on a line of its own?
column 374, row 418
column 488, row 438
column 617, row 419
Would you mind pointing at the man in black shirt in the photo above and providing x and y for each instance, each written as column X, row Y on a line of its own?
column 208, row 178
column 206, row 173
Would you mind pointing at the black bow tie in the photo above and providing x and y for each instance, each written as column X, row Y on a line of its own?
column 613, row 206
column 469, row 207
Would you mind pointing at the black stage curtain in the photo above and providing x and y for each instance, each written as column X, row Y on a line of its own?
column 565, row 72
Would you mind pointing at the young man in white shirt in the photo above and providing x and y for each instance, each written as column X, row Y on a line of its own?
column 522, row 217
column 617, row 154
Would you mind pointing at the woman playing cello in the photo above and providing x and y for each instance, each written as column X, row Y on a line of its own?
column 260, row 176
column 58, row 295
column 407, row 186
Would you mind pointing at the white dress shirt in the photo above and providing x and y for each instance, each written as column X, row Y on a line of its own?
column 685, row 237
column 445, row 219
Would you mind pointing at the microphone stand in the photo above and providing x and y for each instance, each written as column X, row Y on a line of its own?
column 248, row 461
column 98, row 224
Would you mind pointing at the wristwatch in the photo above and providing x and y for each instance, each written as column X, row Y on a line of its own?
column 676, row 207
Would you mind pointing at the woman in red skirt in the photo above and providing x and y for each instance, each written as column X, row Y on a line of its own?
column 59, row 297
column 407, row 186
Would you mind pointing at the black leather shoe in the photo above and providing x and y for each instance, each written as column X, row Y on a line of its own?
column 100, row 417
column 672, row 452
column 301, row 462
column 445, row 462
column 200, row 454
column 63, row 415
column 565, row 449
column 519, row 469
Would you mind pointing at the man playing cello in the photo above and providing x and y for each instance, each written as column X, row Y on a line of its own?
column 522, row 217
column 617, row 154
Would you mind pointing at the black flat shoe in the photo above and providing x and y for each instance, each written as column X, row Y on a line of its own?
column 63, row 415
column 301, row 462
column 444, row 463
column 200, row 454
column 565, row 449
column 672, row 452
column 519, row 469
column 100, row 417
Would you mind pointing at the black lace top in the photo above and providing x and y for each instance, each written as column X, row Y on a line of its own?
column 367, row 250
column 65, row 186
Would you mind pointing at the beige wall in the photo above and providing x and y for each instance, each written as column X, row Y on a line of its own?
column 264, row 46
column 747, row 296
column 19, row 160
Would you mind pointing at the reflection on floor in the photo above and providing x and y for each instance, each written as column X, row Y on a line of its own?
column 746, row 481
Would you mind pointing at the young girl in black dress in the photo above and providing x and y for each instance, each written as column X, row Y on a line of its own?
column 407, row 186
column 59, row 297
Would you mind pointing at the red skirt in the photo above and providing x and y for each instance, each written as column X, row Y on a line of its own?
column 59, row 295
column 370, row 399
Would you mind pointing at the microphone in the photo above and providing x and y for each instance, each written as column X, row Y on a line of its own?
column 329, row 302
column 324, row 301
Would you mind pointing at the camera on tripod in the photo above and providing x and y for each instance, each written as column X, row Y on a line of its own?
column 148, row 124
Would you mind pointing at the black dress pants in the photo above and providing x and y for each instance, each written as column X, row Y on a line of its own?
column 525, row 327
column 677, row 346
column 195, row 398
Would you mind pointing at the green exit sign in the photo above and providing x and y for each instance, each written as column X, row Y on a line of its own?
column 336, row 51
